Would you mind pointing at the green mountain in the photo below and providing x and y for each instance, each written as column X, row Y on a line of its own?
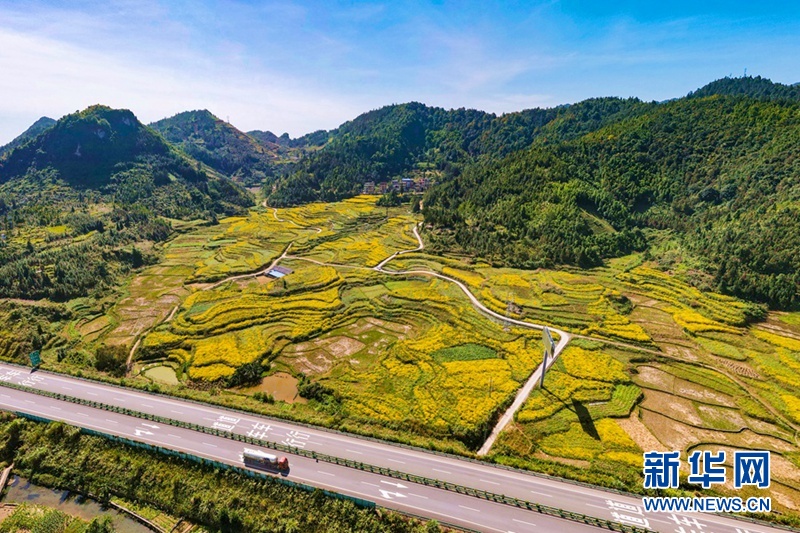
column 401, row 140
column 711, row 180
column 378, row 146
column 755, row 87
column 310, row 140
column 35, row 129
column 83, row 202
column 110, row 151
column 221, row 146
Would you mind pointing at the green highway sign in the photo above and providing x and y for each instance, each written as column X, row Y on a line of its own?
column 36, row 358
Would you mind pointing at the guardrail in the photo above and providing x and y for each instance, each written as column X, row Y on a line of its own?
column 444, row 485
column 277, row 420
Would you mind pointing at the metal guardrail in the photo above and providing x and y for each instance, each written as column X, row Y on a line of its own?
column 444, row 485
column 345, row 434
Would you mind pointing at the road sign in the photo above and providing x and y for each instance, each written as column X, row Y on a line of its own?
column 547, row 340
column 36, row 358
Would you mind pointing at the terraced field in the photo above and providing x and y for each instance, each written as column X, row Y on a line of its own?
column 658, row 364
column 655, row 362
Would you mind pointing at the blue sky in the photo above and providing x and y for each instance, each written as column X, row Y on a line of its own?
column 298, row 66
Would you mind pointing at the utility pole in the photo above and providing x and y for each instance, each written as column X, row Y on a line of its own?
column 549, row 348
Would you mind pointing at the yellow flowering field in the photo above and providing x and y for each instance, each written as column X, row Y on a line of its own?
column 593, row 364
column 778, row 340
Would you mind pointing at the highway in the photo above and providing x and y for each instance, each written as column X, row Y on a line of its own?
column 463, row 510
column 458, row 509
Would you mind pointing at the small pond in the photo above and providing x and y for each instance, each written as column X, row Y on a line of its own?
column 281, row 385
column 20, row 490
column 163, row 374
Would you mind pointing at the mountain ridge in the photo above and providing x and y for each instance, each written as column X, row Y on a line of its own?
column 42, row 124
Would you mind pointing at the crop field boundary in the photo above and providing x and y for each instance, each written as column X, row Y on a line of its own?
column 735, row 379
column 452, row 487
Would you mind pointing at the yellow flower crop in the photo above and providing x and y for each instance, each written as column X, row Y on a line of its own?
column 210, row 372
column 777, row 340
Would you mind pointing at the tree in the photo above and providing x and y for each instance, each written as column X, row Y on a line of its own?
column 112, row 359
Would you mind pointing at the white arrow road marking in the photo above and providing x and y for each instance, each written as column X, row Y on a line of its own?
column 398, row 485
column 150, row 425
column 388, row 495
column 140, row 432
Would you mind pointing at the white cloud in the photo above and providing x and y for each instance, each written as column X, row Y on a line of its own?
column 47, row 76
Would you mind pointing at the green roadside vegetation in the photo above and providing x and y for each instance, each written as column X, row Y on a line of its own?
column 34, row 518
column 60, row 456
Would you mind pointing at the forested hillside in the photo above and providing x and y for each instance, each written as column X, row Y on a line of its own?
column 752, row 86
column 82, row 201
column 220, row 145
column 719, row 172
column 35, row 129
column 378, row 146
column 395, row 141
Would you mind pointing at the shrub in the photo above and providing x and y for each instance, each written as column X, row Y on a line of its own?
column 112, row 359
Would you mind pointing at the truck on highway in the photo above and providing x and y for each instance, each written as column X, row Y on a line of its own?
column 259, row 459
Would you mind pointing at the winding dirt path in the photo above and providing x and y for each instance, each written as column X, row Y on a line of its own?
column 275, row 214
column 525, row 391
column 252, row 274
column 172, row 313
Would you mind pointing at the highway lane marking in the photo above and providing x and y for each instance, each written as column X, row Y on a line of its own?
column 649, row 517
column 518, row 477
column 91, row 393
column 418, row 496
column 437, row 513
column 524, row 522
column 82, row 414
column 212, row 445
column 370, row 484
column 119, row 399
column 542, row 494
column 66, row 388
column 174, row 411
column 174, row 436
column 396, row 461
column 489, row 482
column 353, row 451
column 54, row 408
column 469, row 508
column 147, row 405
column 484, row 526
column 442, row 471
column 597, row 506
column 112, row 421
column 29, row 401
column 327, row 473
